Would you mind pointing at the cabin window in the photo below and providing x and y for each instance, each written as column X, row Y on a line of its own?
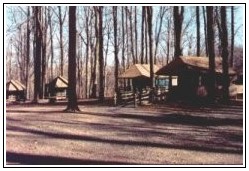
column 162, row 83
column 174, row 81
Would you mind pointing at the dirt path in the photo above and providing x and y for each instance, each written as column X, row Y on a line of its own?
column 162, row 135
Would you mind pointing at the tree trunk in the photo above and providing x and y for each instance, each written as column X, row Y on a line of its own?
column 96, row 55
column 61, row 41
column 168, row 40
column 44, row 53
column 224, row 55
column 123, row 40
column 127, row 37
column 106, row 54
column 161, row 15
column 87, row 11
column 232, row 36
column 198, row 31
column 72, row 105
column 99, row 11
column 205, row 30
column 142, row 35
column 146, row 36
column 52, row 44
column 152, row 77
column 93, row 74
column 115, row 48
column 37, row 59
column 27, row 52
column 178, row 19
column 210, row 34
column 218, row 23
column 131, row 36
column 135, row 28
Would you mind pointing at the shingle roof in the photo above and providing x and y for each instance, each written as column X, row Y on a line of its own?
column 200, row 64
column 138, row 70
column 59, row 82
column 14, row 85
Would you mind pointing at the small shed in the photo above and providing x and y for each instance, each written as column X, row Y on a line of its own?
column 57, row 88
column 237, row 87
column 137, row 76
column 193, row 75
column 15, row 90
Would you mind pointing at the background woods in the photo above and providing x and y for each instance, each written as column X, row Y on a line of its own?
column 110, row 39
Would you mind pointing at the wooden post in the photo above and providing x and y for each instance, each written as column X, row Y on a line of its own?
column 150, row 95
column 115, row 99
column 135, row 98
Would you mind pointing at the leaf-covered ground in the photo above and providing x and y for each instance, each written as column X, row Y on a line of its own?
column 104, row 135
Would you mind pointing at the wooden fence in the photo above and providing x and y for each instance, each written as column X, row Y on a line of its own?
column 135, row 97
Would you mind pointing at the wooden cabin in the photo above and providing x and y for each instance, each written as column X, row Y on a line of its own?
column 237, row 87
column 15, row 91
column 136, row 77
column 193, row 74
column 56, row 89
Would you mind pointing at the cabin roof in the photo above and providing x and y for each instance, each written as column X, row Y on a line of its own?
column 59, row 82
column 200, row 64
column 138, row 70
column 15, row 85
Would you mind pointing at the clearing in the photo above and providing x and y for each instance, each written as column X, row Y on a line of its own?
column 168, row 134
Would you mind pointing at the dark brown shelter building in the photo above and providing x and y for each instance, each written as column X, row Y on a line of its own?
column 57, row 88
column 193, row 74
column 15, row 91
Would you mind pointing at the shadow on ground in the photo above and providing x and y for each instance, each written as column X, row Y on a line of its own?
column 27, row 159
column 134, row 123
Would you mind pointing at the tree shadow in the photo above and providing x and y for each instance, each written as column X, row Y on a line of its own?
column 194, row 146
column 34, row 111
column 31, row 159
column 173, row 118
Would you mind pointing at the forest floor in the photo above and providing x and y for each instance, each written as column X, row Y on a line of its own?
column 168, row 134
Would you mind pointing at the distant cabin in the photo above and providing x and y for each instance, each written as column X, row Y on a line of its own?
column 237, row 87
column 193, row 73
column 136, row 77
column 15, row 91
column 57, row 89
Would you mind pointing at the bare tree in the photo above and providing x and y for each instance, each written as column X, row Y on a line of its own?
column 115, row 48
column 205, row 30
column 129, row 12
column 44, row 51
column 61, row 21
column 127, row 37
column 51, row 43
column 106, row 42
column 218, row 24
column 211, row 53
column 27, row 51
column 99, row 50
column 224, row 44
column 72, row 105
column 142, row 35
column 123, row 40
column 232, row 37
column 178, row 19
column 161, row 14
column 149, row 23
column 135, row 29
column 197, row 31
column 146, row 36
column 96, row 55
column 37, row 57
column 88, row 22
column 168, row 38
